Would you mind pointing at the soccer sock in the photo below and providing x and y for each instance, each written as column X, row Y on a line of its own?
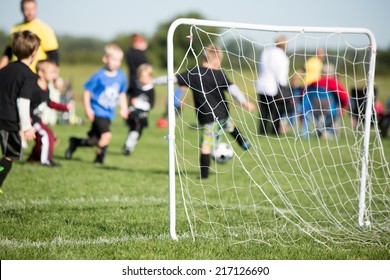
column 85, row 142
column 204, row 166
column 132, row 139
column 100, row 154
column 241, row 141
column 5, row 166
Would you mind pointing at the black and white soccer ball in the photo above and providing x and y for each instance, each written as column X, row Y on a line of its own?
column 222, row 153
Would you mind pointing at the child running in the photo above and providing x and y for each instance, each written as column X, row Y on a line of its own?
column 103, row 91
column 16, row 84
column 42, row 152
column 208, row 84
column 141, row 101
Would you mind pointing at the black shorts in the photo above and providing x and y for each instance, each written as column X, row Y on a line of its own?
column 11, row 144
column 99, row 126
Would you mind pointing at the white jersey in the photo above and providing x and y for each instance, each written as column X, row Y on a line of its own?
column 273, row 70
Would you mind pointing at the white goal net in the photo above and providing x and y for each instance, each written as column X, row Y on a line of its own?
column 301, row 182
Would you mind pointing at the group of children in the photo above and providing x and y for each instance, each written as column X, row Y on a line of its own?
column 23, row 95
column 108, row 86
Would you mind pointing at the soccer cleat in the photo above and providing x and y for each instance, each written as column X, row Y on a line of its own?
column 246, row 145
column 99, row 159
column 126, row 151
column 98, row 162
column 72, row 147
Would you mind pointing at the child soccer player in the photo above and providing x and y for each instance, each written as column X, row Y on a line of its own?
column 16, row 84
column 44, row 143
column 208, row 84
column 102, row 93
column 141, row 101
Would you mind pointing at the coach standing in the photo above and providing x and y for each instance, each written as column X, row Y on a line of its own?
column 273, row 76
column 49, row 44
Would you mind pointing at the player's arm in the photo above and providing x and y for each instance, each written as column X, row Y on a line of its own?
column 163, row 80
column 87, row 105
column 240, row 97
column 6, row 58
column 53, row 56
column 23, row 105
column 124, row 111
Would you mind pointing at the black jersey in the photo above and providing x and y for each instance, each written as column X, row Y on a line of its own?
column 134, row 59
column 208, row 87
column 16, row 81
column 143, row 94
column 39, row 100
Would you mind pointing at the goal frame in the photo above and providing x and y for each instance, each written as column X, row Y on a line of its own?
column 246, row 26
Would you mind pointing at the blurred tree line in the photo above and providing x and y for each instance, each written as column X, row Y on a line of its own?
column 88, row 50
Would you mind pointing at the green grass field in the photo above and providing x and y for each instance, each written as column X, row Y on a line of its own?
column 120, row 210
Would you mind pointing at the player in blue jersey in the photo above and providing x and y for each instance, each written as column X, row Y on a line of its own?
column 103, row 91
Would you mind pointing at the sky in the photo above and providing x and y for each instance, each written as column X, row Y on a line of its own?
column 105, row 19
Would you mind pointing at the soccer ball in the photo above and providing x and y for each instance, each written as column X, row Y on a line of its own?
column 222, row 153
column 162, row 123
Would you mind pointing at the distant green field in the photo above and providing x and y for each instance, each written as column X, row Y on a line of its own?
column 120, row 210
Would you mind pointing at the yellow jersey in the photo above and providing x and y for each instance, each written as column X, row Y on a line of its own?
column 44, row 32
column 313, row 68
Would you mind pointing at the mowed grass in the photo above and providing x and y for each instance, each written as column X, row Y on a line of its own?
column 120, row 210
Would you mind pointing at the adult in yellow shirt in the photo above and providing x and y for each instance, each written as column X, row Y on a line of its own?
column 49, row 44
column 313, row 67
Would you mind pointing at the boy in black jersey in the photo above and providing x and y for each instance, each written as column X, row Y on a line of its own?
column 16, row 84
column 209, row 83
column 141, row 101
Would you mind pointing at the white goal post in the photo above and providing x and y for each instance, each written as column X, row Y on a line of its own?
column 328, row 196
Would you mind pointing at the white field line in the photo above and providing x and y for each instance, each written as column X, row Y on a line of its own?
column 59, row 241
column 22, row 203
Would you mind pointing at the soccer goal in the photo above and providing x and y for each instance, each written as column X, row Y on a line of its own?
column 297, row 184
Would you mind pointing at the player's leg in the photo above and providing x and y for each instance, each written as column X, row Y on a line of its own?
column 5, row 168
column 230, row 127
column 264, row 113
column 36, row 150
column 208, row 136
column 276, row 112
column 46, row 145
column 11, row 146
column 103, row 143
column 132, row 136
column 102, row 128
column 92, row 140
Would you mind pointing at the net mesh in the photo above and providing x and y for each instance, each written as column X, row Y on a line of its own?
column 295, row 185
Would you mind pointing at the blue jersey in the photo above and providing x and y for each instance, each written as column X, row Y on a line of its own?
column 105, row 91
